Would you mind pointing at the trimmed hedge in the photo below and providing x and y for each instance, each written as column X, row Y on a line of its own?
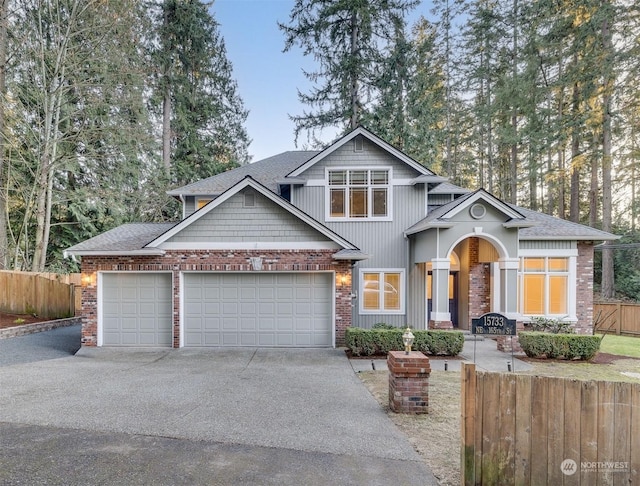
column 559, row 346
column 369, row 342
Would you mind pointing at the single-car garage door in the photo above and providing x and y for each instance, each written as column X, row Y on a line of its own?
column 258, row 309
column 136, row 309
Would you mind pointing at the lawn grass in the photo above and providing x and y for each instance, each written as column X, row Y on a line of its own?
column 621, row 345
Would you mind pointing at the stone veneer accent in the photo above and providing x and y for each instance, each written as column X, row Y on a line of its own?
column 178, row 261
column 24, row 329
column 408, row 382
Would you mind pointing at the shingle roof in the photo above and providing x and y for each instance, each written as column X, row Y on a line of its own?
column 125, row 238
column 266, row 171
column 448, row 188
column 552, row 228
column 547, row 228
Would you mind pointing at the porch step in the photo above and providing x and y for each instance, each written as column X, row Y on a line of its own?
column 471, row 337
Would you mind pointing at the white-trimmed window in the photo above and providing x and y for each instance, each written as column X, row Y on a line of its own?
column 544, row 286
column 357, row 194
column 382, row 291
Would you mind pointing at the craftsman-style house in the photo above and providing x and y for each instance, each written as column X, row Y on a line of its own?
column 293, row 249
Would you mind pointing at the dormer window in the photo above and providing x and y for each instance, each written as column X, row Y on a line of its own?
column 356, row 194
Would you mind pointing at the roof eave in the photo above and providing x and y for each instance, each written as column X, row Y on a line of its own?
column 570, row 238
column 434, row 224
column 141, row 252
column 520, row 224
column 356, row 257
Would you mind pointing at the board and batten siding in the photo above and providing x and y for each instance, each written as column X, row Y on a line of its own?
column 383, row 241
column 370, row 156
column 233, row 222
column 544, row 245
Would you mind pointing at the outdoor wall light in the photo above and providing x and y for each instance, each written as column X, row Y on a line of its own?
column 407, row 338
column 89, row 279
column 343, row 279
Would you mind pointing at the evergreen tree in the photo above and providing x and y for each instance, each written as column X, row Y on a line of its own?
column 202, row 114
column 348, row 40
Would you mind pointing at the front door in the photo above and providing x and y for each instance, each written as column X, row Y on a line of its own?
column 453, row 296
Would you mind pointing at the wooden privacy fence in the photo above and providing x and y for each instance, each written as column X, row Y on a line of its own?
column 41, row 294
column 617, row 317
column 523, row 429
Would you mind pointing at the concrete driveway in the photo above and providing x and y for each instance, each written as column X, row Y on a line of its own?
column 215, row 416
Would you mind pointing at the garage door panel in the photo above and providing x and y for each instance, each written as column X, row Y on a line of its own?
column 136, row 309
column 260, row 309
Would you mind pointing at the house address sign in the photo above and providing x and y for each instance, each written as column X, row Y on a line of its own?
column 494, row 324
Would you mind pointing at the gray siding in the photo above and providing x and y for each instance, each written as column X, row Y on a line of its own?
column 547, row 245
column 382, row 240
column 189, row 205
column 232, row 221
column 371, row 155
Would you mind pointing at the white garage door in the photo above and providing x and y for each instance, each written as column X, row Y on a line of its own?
column 136, row 309
column 258, row 309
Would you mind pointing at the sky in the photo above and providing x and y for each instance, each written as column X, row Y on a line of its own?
column 268, row 79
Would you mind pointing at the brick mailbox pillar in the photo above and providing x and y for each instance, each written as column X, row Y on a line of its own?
column 408, row 382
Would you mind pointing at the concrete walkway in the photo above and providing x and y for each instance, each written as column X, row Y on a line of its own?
column 483, row 353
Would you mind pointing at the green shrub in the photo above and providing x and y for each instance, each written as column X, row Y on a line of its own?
column 369, row 342
column 555, row 326
column 383, row 325
column 559, row 346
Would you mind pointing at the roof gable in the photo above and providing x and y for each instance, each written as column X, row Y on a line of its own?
column 200, row 216
column 360, row 131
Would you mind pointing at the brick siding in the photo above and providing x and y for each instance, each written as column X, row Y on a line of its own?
column 214, row 261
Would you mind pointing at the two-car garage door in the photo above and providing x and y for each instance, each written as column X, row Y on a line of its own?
column 219, row 309
column 258, row 309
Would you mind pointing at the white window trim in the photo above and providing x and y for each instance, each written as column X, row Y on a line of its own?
column 570, row 315
column 389, row 186
column 382, row 271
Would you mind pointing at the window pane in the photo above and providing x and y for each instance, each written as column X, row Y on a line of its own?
column 358, row 203
column 392, row 291
column 558, row 264
column 371, row 287
column 533, row 264
column 358, row 177
column 558, row 294
column 337, row 178
column 533, row 294
column 337, row 203
column 379, row 202
column 379, row 177
column 203, row 202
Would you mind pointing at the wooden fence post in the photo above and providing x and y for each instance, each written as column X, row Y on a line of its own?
column 468, row 408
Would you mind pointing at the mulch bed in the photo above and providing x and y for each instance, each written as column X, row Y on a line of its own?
column 13, row 320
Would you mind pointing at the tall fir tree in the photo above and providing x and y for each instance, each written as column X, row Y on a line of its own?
column 203, row 115
column 348, row 40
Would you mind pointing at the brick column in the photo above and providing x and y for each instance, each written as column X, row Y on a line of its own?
column 408, row 382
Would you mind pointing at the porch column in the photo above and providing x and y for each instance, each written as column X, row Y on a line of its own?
column 440, row 317
column 509, row 287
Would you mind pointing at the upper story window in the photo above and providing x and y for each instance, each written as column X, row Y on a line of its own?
column 359, row 194
column 200, row 203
